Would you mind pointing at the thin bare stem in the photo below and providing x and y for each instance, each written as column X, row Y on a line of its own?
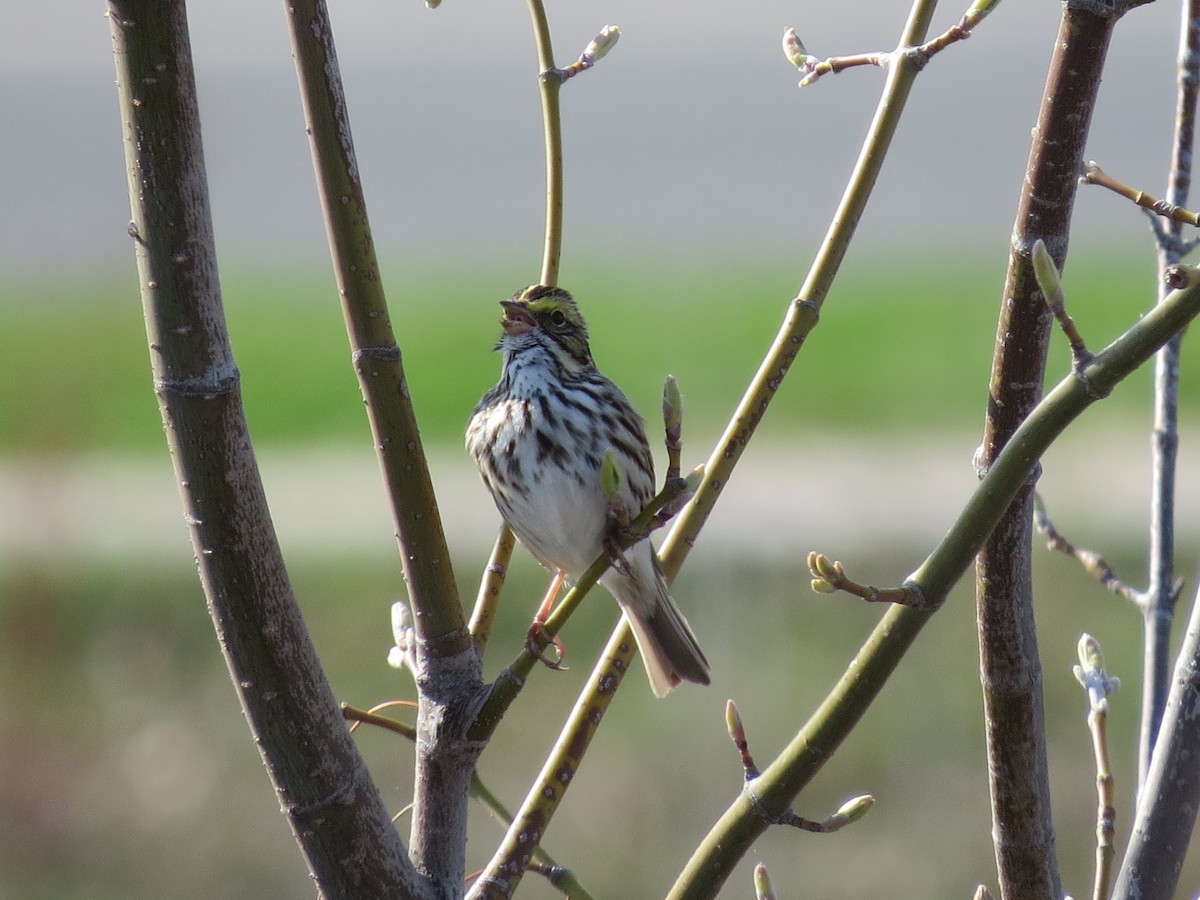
column 1093, row 563
column 1164, row 585
column 1093, row 174
column 549, row 85
column 545, row 864
column 488, row 599
column 829, row 576
column 803, row 311
column 814, row 68
column 504, row 871
column 849, row 812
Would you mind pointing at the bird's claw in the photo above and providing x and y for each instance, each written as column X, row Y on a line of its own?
column 537, row 639
column 612, row 542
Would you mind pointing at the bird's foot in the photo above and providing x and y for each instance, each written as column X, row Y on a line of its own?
column 537, row 641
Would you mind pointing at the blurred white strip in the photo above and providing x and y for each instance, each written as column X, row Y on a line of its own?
column 826, row 493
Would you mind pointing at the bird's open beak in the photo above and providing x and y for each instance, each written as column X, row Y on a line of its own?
column 517, row 319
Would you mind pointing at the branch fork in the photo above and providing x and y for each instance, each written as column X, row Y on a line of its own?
column 813, row 68
column 849, row 812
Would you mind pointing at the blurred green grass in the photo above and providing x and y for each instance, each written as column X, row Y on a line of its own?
column 901, row 345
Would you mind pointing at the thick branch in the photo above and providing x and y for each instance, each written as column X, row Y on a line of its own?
column 448, row 664
column 1023, row 831
column 377, row 362
column 334, row 809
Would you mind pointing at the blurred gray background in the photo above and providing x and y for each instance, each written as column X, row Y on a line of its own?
column 691, row 135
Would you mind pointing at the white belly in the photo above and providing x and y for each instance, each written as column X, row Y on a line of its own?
column 558, row 515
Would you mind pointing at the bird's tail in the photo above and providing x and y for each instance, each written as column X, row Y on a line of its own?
column 668, row 646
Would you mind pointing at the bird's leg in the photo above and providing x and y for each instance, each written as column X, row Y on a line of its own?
column 537, row 638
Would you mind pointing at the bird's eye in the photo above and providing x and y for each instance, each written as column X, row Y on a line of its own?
column 558, row 317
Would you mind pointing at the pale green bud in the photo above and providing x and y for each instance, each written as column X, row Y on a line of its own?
column 822, row 566
column 1090, row 654
column 672, row 405
column 1045, row 271
column 1092, row 675
column 763, row 889
column 853, row 809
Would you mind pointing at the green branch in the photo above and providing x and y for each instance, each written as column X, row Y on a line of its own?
column 742, row 823
column 376, row 355
column 804, row 310
column 549, row 85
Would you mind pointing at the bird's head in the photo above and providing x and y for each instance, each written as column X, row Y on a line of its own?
column 547, row 317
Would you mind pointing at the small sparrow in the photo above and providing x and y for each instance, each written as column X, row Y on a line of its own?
column 539, row 438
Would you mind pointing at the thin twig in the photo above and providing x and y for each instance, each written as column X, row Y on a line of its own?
column 1170, row 795
column 555, row 873
column 1093, row 563
column 848, row 813
column 813, row 68
column 1095, row 679
column 829, row 576
column 1093, row 174
column 487, row 601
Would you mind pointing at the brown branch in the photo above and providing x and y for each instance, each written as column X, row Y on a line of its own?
column 447, row 663
column 1023, row 831
column 333, row 807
